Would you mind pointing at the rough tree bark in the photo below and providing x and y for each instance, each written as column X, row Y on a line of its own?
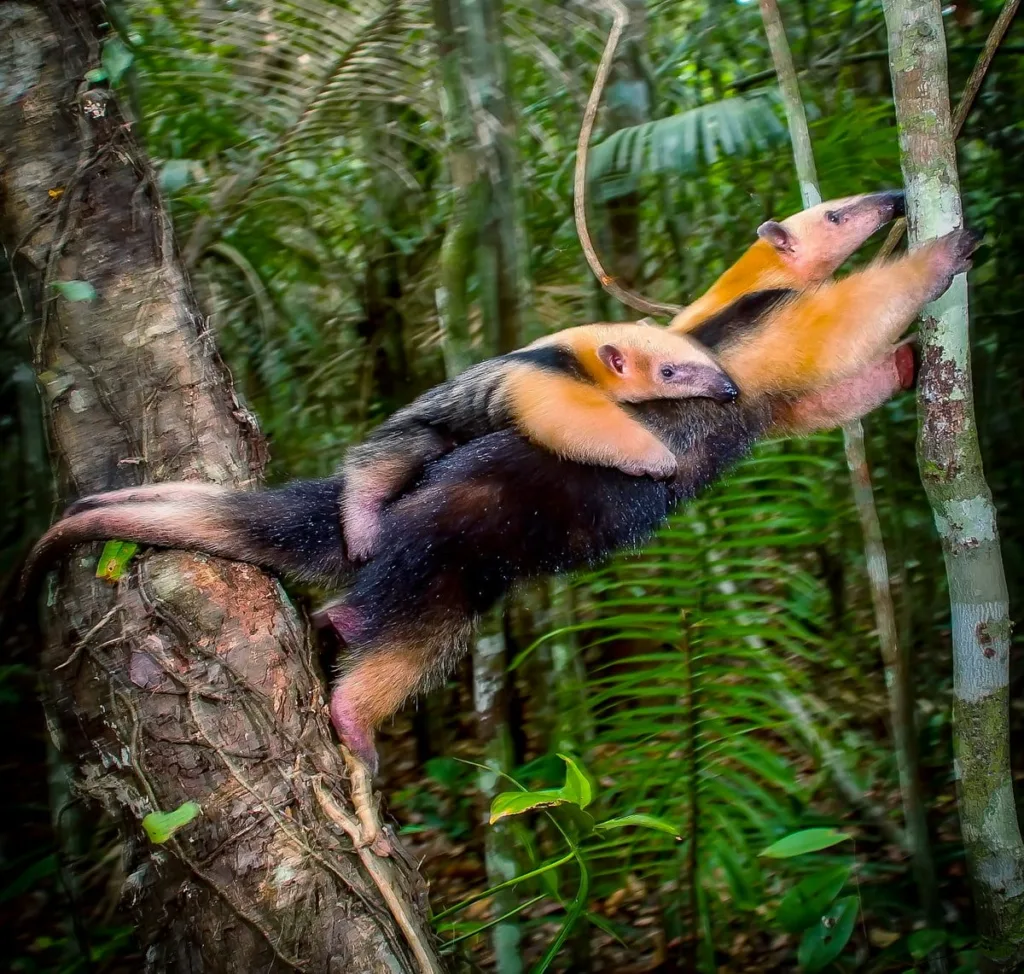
column 192, row 679
column 951, row 471
column 894, row 656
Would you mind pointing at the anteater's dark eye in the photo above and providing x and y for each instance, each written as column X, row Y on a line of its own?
column 667, row 371
column 832, row 216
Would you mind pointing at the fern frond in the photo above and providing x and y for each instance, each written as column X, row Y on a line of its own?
column 714, row 624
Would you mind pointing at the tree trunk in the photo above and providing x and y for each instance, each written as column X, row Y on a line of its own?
column 191, row 679
column 458, row 252
column 951, row 471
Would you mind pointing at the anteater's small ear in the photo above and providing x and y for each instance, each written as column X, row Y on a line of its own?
column 777, row 235
column 613, row 359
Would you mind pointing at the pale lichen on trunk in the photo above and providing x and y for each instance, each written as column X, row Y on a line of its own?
column 950, row 462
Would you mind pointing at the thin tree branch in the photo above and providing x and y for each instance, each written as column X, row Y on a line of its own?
column 796, row 117
column 894, row 657
column 382, row 875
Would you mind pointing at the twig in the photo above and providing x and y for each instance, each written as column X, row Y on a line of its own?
column 966, row 103
column 84, row 641
column 796, row 117
column 378, row 870
column 579, row 202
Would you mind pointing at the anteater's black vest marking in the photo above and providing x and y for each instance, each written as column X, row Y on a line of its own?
column 551, row 358
column 739, row 318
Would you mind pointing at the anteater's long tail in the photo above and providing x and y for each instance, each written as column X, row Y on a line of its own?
column 294, row 529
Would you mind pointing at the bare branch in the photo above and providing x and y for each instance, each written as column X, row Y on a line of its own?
column 616, row 290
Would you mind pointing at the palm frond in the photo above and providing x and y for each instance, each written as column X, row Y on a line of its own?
column 685, row 142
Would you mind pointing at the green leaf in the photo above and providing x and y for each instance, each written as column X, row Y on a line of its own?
column 160, row 826
column 114, row 559
column 922, row 942
column 576, row 791
column 642, row 821
column 95, row 76
column 741, row 872
column 116, row 59
column 75, row 290
column 809, row 840
column 824, row 942
column 577, row 787
column 517, row 802
column 805, row 903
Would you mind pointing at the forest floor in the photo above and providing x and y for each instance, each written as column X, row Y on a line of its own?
column 442, row 819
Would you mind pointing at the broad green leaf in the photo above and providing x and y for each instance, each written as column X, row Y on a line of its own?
column 517, row 802
column 824, row 942
column 805, row 903
column 576, row 791
column 577, row 786
column 75, row 290
column 95, row 76
column 741, row 126
column 116, row 59
column 809, row 840
column 922, row 942
column 114, row 559
column 160, row 826
column 642, row 821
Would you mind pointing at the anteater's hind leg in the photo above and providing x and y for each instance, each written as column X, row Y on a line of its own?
column 380, row 678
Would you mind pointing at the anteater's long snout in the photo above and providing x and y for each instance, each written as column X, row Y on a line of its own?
column 892, row 202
